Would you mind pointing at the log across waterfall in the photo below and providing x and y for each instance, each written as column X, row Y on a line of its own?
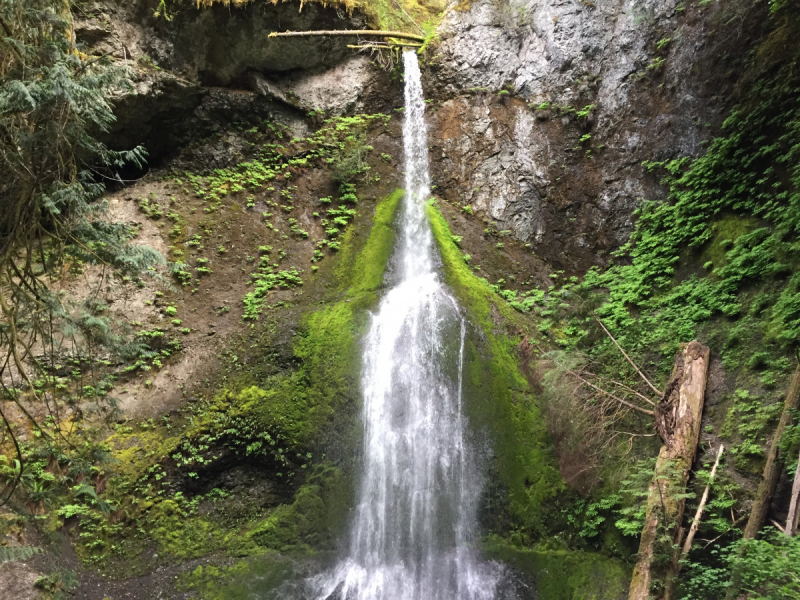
column 413, row 530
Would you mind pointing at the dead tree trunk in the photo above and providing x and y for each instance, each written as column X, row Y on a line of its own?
column 769, row 479
column 791, row 520
column 678, row 423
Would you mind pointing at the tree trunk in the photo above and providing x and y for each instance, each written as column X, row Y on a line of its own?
column 678, row 422
column 791, row 520
column 769, row 479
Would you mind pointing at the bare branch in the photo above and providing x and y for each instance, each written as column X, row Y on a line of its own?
column 350, row 32
column 701, row 507
column 628, row 358
column 610, row 395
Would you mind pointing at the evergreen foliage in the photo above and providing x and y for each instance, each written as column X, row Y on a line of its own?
column 53, row 100
column 17, row 553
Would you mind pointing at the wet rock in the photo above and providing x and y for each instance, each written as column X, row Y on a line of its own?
column 166, row 113
column 510, row 142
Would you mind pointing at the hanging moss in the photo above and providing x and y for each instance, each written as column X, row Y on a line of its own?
column 381, row 14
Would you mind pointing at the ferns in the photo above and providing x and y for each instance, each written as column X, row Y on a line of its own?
column 17, row 553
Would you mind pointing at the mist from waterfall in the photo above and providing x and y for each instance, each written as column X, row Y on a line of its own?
column 414, row 525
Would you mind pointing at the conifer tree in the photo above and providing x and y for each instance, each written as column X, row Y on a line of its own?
column 54, row 100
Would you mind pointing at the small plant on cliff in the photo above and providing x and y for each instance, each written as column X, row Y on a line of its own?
column 266, row 280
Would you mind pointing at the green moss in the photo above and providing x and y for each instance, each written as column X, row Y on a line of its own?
column 327, row 348
column 567, row 574
column 249, row 578
column 314, row 518
column 498, row 395
column 725, row 232
column 303, row 421
column 180, row 536
column 367, row 270
column 135, row 451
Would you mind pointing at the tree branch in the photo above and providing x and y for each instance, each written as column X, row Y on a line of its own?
column 352, row 32
column 628, row 358
column 696, row 521
column 610, row 395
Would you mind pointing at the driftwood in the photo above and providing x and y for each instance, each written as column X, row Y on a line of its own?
column 352, row 32
column 383, row 45
column 769, row 479
column 678, row 418
column 696, row 521
column 675, row 569
column 791, row 520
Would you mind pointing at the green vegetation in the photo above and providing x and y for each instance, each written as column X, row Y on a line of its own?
column 53, row 100
column 718, row 261
column 499, row 395
column 565, row 574
column 149, row 482
column 763, row 569
column 381, row 14
column 265, row 280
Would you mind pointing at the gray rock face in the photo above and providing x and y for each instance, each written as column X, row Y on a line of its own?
column 335, row 91
column 217, row 45
column 203, row 70
column 542, row 49
column 565, row 183
column 511, row 168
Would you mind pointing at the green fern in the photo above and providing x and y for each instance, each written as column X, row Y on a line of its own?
column 17, row 553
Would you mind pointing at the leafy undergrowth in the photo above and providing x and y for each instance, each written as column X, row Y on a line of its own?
column 166, row 485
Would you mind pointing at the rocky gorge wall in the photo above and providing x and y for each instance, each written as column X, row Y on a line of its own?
column 549, row 109
column 541, row 116
column 543, row 113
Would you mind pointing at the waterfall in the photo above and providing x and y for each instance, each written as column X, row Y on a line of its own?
column 414, row 526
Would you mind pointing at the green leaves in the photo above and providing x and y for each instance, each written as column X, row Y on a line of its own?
column 53, row 100
column 266, row 280
column 17, row 553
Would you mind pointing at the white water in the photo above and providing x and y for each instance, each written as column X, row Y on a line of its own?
column 413, row 528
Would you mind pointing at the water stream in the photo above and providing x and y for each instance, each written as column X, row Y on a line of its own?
column 412, row 534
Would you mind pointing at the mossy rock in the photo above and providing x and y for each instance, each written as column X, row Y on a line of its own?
column 499, row 401
column 567, row 574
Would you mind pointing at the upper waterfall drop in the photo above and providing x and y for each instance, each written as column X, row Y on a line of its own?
column 413, row 531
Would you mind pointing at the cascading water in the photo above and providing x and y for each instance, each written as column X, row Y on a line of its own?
column 414, row 525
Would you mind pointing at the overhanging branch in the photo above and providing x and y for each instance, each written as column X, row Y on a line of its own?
column 351, row 32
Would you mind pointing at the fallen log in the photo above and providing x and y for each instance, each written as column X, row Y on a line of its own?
column 678, row 418
column 351, row 32
column 382, row 45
